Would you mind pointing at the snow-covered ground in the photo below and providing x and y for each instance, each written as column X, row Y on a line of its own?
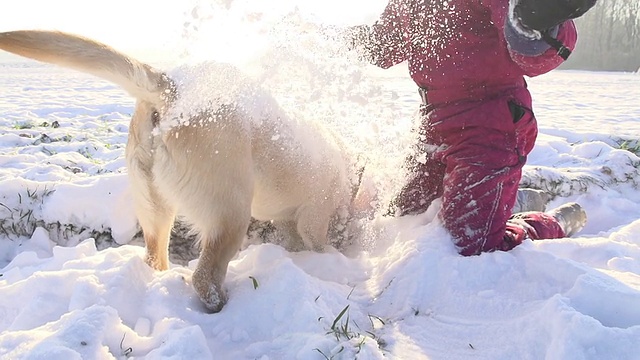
column 400, row 292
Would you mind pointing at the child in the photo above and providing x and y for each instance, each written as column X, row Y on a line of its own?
column 469, row 59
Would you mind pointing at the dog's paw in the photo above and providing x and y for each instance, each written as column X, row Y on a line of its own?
column 213, row 298
column 155, row 263
column 212, row 295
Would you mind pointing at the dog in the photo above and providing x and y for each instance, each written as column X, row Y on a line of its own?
column 216, row 150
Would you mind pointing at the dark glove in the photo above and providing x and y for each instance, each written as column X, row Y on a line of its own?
column 542, row 15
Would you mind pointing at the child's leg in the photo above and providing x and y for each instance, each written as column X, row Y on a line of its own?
column 483, row 169
column 424, row 178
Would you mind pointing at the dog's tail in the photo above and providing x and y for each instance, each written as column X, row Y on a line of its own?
column 140, row 80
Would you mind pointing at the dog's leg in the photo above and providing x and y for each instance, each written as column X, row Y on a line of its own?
column 208, row 171
column 155, row 217
column 155, row 214
column 313, row 225
column 156, row 223
column 218, row 248
column 290, row 239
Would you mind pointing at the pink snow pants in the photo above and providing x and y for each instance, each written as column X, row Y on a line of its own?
column 471, row 154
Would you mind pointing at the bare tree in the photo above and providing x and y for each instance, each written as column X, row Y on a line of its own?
column 608, row 38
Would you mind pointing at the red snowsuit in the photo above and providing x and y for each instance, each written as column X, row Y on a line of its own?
column 477, row 125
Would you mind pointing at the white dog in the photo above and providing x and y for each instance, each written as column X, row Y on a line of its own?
column 214, row 149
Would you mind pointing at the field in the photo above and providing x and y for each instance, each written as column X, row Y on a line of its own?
column 69, row 291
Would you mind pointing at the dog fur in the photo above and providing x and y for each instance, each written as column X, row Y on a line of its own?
column 216, row 164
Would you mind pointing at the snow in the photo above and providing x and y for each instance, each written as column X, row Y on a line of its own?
column 68, row 294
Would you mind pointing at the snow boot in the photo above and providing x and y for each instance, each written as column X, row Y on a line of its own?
column 530, row 200
column 571, row 217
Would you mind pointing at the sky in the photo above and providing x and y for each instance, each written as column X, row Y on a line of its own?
column 121, row 23
column 150, row 29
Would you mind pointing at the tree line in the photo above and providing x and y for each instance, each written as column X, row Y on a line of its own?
column 608, row 37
